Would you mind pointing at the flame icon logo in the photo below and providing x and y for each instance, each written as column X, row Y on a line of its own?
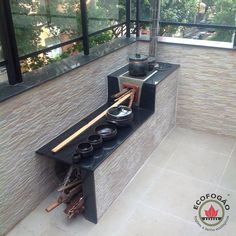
column 211, row 212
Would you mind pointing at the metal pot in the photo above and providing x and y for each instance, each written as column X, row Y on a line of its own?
column 138, row 65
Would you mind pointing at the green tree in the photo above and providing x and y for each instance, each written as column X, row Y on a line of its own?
column 224, row 14
column 27, row 31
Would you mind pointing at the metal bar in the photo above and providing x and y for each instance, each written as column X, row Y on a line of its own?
column 9, row 43
column 155, row 26
column 227, row 27
column 138, row 18
column 44, row 50
column 128, row 7
column 48, row 13
column 62, row 16
column 84, row 21
column 106, row 29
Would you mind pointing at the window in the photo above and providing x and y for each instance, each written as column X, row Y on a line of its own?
column 3, row 71
column 105, row 13
column 1, row 53
column 44, row 23
column 212, row 21
column 54, row 35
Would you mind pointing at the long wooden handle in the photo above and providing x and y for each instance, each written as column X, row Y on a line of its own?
column 93, row 121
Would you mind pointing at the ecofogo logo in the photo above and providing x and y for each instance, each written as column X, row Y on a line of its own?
column 211, row 212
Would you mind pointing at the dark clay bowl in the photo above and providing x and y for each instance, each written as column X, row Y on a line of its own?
column 85, row 149
column 107, row 131
column 120, row 113
column 121, row 123
column 95, row 140
column 120, row 116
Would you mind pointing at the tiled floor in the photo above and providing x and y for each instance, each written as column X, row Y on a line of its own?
column 160, row 199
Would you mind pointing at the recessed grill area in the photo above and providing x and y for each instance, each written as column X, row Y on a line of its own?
column 104, row 171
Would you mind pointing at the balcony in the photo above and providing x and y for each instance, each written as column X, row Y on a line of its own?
column 183, row 152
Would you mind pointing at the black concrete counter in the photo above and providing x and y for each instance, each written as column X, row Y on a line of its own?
column 141, row 114
column 65, row 155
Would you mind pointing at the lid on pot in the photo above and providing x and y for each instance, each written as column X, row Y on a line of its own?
column 138, row 57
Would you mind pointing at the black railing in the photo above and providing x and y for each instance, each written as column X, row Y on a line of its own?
column 77, row 39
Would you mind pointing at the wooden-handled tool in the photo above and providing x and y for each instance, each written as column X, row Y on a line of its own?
column 93, row 121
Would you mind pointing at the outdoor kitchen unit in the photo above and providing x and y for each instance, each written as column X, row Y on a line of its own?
column 105, row 171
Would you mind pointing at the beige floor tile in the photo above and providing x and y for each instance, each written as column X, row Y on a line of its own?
column 229, row 177
column 177, row 135
column 163, row 153
column 21, row 230
column 158, row 201
column 176, row 194
column 139, row 185
column 198, row 163
column 78, row 225
column 215, row 143
column 115, row 218
column 56, row 232
column 148, row 222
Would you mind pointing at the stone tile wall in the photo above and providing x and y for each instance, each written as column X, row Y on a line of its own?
column 207, row 86
column 33, row 118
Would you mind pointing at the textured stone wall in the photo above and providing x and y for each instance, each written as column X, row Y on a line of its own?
column 31, row 119
column 207, row 87
column 114, row 173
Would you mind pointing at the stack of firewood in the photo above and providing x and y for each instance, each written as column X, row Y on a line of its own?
column 70, row 193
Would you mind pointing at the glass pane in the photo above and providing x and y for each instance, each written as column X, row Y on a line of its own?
column 3, row 74
column 105, row 13
column 199, row 11
column 179, row 11
column 221, row 12
column 198, row 33
column 145, row 13
column 107, row 36
column 58, row 60
column 1, row 52
column 108, row 41
column 133, row 10
column 43, row 23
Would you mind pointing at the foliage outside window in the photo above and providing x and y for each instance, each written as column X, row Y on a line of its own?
column 105, row 13
column 220, row 12
column 40, row 24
